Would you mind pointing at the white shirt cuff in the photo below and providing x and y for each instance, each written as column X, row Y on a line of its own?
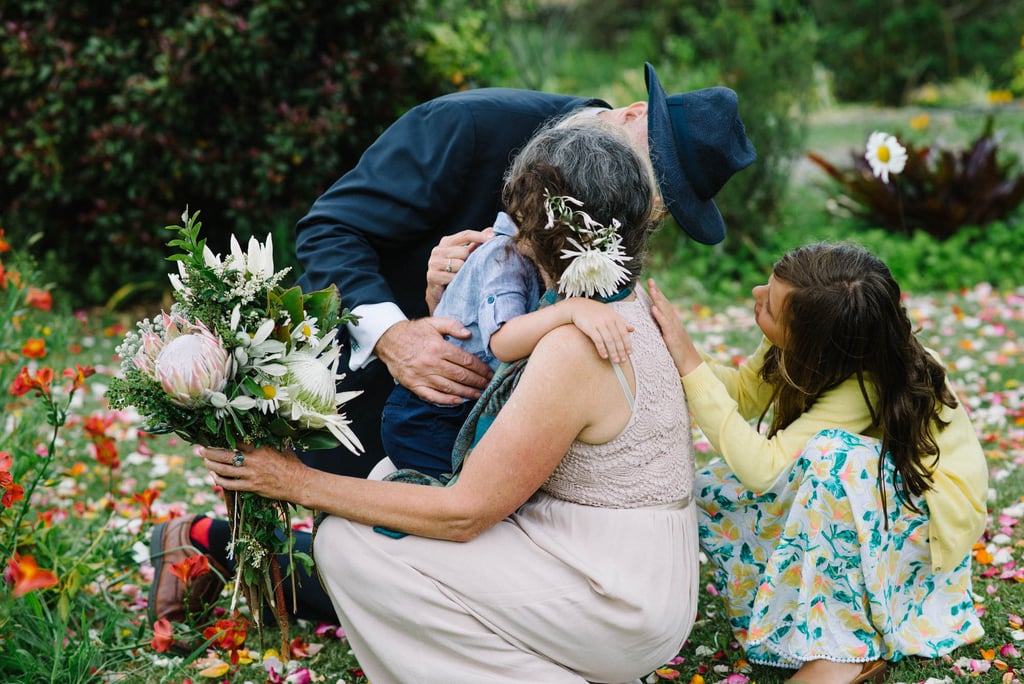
column 374, row 320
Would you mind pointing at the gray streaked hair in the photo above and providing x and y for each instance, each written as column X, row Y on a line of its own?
column 593, row 161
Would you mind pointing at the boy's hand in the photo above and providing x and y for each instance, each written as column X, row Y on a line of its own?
column 609, row 331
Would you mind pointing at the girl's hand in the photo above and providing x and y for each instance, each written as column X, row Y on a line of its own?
column 609, row 331
column 680, row 346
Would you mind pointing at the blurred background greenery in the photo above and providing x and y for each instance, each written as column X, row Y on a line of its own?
column 114, row 117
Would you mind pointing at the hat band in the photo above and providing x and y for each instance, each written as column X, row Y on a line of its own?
column 687, row 155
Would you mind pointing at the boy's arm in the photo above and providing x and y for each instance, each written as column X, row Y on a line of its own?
column 609, row 331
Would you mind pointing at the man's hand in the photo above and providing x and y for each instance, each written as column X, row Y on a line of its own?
column 420, row 359
column 447, row 258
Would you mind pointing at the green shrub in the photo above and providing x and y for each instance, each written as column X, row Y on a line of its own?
column 939, row 191
column 118, row 114
column 878, row 51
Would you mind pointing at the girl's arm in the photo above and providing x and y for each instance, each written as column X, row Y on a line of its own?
column 609, row 331
column 566, row 392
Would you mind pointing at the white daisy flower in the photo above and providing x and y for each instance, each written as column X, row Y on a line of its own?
column 272, row 396
column 306, row 331
column 885, row 155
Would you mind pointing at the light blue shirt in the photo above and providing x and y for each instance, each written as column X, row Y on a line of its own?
column 495, row 285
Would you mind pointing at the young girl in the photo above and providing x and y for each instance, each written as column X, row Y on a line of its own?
column 841, row 534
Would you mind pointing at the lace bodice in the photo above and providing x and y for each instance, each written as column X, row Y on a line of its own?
column 651, row 461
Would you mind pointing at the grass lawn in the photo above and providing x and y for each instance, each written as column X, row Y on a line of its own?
column 95, row 487
column 89, row 522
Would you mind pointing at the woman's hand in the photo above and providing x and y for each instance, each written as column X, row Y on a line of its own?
column 264, row 471
column 680, row 346
column 447, row 258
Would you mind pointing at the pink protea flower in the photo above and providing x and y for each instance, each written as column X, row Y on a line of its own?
column 193, row 365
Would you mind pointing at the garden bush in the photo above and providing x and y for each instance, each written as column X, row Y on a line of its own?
column 878, row 51
column 939, row 191
column 763, row 51
column 117, row 115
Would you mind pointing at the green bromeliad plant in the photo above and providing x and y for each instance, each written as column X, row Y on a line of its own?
column 935, row 190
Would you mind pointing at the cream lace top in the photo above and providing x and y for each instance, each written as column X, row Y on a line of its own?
column 650, row 462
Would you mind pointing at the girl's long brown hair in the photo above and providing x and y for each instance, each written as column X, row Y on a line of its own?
column 844, row 318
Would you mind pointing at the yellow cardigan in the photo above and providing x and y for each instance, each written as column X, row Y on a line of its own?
column 724, row 400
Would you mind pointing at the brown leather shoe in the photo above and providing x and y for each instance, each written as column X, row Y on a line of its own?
column 170, row 544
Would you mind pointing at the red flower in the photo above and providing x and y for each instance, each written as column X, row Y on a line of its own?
column 6, row 460
column 40, row 382
column 12, row 493
column 145, row 501
column 4, row 245
column 106, row 453
column 96, row 425
column 39, row 299
column 78, row 375
column 35, row 348
column 163, row 636
column 26, row 576
column 228, row 634
column 190, row 568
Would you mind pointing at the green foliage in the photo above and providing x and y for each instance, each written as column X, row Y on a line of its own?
column 878, row 51
column 939, row 191
column 762, row 50
column 118, row 115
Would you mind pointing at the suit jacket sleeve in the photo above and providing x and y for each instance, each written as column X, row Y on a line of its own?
column 393, row 197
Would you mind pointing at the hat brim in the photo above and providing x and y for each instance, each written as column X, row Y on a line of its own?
column 701, row 219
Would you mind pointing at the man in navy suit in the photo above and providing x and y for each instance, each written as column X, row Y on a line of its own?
column 438, row 170
column 433, row 180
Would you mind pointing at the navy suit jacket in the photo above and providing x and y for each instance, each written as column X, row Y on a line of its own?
column 437, row 170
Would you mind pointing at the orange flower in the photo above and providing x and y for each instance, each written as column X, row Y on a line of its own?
column 39, row 299
column 26, row 576
column 95, row 426
column 145, row 501
column 6, row 460
column 106, row 453
column 78, row 375
column 35, row 348
column 25, row 383
column 228, row 634
column 12, row 493
column 190, row 568
column 4, row 245
column 163, row 636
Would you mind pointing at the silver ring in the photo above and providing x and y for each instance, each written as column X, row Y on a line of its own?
column 239, row 460
column 448, row 266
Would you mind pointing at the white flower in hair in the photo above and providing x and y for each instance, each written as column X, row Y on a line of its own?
column 596, row 267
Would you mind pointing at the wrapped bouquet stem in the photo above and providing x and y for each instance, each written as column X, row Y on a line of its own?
column 241, row 361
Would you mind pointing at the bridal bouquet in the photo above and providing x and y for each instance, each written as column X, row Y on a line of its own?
column 240, row 359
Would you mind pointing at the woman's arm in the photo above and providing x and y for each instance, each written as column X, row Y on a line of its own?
column 565, row 391
column 609, row 331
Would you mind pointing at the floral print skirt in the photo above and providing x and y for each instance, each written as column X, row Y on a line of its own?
column 808, row 569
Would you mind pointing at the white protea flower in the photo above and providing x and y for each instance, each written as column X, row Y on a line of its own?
column 192, row 366
column 313, row 399
column 593, row 271
column 885, row 155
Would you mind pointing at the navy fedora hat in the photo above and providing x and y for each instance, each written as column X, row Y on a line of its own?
column 697, row 142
